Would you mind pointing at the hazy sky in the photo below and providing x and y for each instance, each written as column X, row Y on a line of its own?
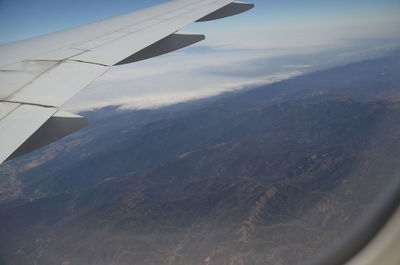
column 276, row 40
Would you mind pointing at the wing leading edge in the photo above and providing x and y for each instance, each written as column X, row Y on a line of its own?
column 39, row 75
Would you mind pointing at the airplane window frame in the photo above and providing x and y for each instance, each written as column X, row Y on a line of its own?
column 349, row 247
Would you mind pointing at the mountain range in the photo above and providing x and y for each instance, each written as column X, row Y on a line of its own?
column 269, row 175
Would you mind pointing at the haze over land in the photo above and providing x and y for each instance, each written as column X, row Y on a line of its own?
column 202, row 72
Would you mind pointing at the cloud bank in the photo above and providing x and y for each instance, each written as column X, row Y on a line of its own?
column 259, row 48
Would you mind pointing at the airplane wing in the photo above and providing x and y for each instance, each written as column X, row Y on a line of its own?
column 38, row 75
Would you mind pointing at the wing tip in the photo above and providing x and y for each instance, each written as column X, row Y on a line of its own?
column 231, row 9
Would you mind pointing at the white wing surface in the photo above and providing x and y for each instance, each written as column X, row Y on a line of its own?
column 38, row 75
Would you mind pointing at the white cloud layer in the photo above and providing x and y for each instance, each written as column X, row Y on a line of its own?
column 237, row 56
column 196, row 74
column 180, row 77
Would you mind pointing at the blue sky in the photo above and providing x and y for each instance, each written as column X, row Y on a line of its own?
column 276, row 40
column 20, row 19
